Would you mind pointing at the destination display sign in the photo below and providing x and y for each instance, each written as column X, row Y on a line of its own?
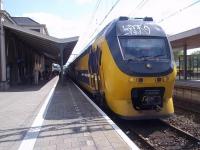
column 129, row 29
column 135, row 28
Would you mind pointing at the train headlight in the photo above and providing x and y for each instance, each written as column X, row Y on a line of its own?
column 161, row 79
column 158, row 79
column 166, row 78
column 140, row 80
column 131, row 79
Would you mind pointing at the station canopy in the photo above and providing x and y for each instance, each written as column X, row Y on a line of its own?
column 44, row 44
column 190, row 39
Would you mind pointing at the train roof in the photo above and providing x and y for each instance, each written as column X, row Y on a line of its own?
column 125, row 26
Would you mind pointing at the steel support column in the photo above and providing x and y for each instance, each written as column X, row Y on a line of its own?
column 185, row 61
column 3, row 82
column 61, row 62
column 179, row 67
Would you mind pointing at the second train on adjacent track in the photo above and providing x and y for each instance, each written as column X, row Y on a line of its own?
column 129, row 67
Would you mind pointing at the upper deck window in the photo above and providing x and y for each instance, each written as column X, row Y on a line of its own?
column 134, row 48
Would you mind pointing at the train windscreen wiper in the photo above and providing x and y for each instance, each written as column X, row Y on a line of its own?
column 151, row 57
column 145, row 57
column 159, row 55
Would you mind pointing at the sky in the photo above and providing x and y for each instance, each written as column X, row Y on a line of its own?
column 84, row 18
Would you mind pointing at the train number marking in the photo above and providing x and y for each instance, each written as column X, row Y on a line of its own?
column 136, row 30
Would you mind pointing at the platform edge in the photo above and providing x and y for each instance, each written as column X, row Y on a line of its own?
column 126, row 139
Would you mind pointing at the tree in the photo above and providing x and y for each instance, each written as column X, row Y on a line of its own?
column 196, row 53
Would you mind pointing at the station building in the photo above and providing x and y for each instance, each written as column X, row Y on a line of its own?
column 25, row 45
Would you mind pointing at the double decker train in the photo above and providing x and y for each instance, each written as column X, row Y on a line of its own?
column 129, row 67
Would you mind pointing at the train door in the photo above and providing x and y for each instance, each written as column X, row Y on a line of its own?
column 91, row 68
column 94, row 59
column 97, row 73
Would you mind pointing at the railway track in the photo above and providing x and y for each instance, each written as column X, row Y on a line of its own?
column 145, row 143
column 186, row 120
column 182, row 132
column 159, row 134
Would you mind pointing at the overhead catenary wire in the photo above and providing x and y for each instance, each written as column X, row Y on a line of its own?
column 115, row 4
column 90, row 21
column 94, row 12
column 139, row 6
column 92, row 16
column 178, row 11
column 109, row 12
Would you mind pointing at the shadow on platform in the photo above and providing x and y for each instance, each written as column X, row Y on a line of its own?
column 27, row 87
column 62, row 117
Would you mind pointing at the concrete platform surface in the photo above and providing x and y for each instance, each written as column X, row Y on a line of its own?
column 18, row 108
column 71, row 122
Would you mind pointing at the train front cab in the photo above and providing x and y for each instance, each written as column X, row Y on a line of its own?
column 119, row 88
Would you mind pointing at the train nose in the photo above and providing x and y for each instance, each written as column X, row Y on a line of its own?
column 151, row 100
column 147, row 98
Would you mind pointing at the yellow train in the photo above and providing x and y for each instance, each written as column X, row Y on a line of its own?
column 129, row 67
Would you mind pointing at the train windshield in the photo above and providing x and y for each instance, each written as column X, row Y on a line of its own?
column 134, row 48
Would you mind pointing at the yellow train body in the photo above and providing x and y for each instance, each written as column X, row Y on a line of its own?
column 116, row 86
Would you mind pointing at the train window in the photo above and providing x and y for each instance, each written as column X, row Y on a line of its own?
column 144, row 48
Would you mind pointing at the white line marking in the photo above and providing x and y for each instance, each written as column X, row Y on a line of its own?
column 32, row 134
column 117, row 129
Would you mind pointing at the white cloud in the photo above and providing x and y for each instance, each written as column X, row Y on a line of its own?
column 58, row 26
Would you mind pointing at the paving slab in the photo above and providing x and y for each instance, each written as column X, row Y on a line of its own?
column 71, row 122
column 18, row 108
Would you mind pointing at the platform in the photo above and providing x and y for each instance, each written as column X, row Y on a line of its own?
column 71, row 122
column 186, row 94
column 18, row 109
column 188, row 84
